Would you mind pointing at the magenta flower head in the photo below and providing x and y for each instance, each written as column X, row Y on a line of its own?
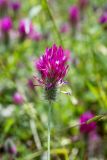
column 25, row 27
column 35, row 36
column 103, row 20
column 3, row 3
column 10, row 147
column 74, row 15
column 83, row 4
column 30, row 84
column 64, row 28
column 1, row 35
column 18, row 98
column 87, row 128
column 6, row 24
column 52, row 68
column 0, row 24
column 15, row 5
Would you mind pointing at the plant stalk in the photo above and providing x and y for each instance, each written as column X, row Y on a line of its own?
column 49, row 130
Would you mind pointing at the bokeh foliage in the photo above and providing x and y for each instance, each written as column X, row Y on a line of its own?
column 87, row 82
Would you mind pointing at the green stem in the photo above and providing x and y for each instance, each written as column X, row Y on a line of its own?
column 47, row 8
column 49, row 130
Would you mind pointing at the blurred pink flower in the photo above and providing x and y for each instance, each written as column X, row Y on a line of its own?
column 3, row 3
column 12, row 150
column 30, row 84
column 0, row 30
column 10, row 147
column 6, row 24
column 36, row 36
column 87, row 128
column 18, row 98
column 15, row 5
column 103, row 20
column 13, row 35
column 64, row 28
column 25, row 27
column 74, row 15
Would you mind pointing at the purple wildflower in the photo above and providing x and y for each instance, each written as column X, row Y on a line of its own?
column 74, row 15
column 0, row 24
column 87, row 128
column 103, row 19
column 3, row 3
column 64, row 28
column 52, row 68
column 12, row 150
column 10, row 147
column 30, row 84
column 6, row 24
column 25, row 27
column 36, row 36
column 15, row 5
column 17, row 98
column 1, row 35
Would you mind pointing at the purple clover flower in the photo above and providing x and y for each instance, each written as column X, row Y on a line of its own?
column 64, row 28
column 87, row 128
column 74, row 15
column 0, row 24
column 52, row 68
column 25, row 27
column 10, row 147
column 6, row 24
column 103, row 18
column 17, row 98
column 3, row 3
column 15, row 5
column 12, row 150
column 30, row 84
column 35, row 36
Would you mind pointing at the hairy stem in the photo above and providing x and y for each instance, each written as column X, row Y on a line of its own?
column 49, row 129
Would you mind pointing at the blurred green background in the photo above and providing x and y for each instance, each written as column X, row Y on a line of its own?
column 24, row 125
